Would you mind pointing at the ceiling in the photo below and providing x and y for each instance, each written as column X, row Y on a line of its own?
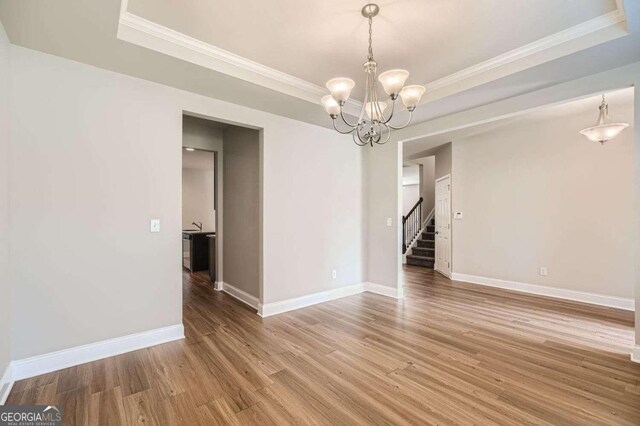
column 432, row 39
column 617, row 100
column 275, row 55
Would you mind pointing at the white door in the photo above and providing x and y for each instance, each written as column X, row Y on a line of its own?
column 443, row 226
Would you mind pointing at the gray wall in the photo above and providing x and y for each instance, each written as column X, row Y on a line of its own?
column 384, row 200
column 539, row 194
column 427, row 184
column 242, row 209
column 384, row 164
column 443, row 161
column 105, row 158
column 636, row 156
column 5, row 284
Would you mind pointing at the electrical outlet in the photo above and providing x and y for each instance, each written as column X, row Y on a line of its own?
column 543, row 271
column 154, row 225
column 334, row 274
column 389, row 221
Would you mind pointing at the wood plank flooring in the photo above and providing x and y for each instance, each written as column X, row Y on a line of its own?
column 450, row 353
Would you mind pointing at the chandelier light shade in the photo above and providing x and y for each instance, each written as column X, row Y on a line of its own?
column 373, row 126
column 393, row 80
column 604, row 130
column 330, row 104
column 340, row 88
column 411, row 95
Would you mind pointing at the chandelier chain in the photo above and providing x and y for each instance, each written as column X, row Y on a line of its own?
column 370, row 38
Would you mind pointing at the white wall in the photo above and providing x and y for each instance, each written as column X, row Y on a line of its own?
column 410, row 195
column 5, row 285
column 539, row 194
column 198, row 194
column 104, row 157
column 242, row 206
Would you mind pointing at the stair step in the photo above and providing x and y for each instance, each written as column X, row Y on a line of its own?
column 429, row 236
column 426, row 244
column 430, row 228
column 420, row 261
column 423, row 251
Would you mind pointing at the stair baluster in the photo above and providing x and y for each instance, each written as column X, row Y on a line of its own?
column 411, row 224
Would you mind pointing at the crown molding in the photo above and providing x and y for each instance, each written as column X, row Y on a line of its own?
column 142, row 32
column 145, row 33
column 590, row 33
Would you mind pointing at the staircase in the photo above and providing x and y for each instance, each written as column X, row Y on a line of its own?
column 424, row 252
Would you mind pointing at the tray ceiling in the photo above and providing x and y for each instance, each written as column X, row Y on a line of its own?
column 449, row 45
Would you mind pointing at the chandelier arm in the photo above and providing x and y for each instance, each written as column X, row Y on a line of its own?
column 404, row 125
column 374, row 92
column 356, row 133
column 388, row 135
column 353, row 126
column 393, row 109
column 341, row 131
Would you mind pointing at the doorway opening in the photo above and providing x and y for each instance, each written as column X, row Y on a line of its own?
column 426, row 199
column 222, row 208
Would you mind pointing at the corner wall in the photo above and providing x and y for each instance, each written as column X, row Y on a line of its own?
column 5, row 284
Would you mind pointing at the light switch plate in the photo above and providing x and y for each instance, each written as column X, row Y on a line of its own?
column 458, row 215
column 154, row 225
column 389, row 222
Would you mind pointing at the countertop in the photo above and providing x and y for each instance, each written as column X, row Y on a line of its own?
column 198, row 232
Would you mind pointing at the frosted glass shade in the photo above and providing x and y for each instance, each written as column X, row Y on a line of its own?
column 372, row 112
column 340, row 88
column 330, row 105
column 393, row 81
column 604, row 132
column 411, row 95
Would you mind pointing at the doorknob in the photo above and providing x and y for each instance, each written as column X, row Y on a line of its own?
column 437, row 232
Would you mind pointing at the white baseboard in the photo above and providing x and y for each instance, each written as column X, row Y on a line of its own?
column 396, row 293
column 6, row 383
column 241, row 295
column 269, row 309
column 41, row 364
column 217, row 286
column 635, row 354
column 558, row 293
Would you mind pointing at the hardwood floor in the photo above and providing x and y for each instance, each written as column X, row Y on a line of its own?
column 450, row 353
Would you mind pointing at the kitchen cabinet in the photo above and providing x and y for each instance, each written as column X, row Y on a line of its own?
column 195, row 250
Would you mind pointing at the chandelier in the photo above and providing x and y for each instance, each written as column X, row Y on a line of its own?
column 603, row 131
column 373, row 126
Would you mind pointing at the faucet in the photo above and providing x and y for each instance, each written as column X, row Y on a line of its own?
column 198, row 225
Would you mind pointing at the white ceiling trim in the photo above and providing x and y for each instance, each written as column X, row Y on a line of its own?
column 145, row 33
column 587, row 34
